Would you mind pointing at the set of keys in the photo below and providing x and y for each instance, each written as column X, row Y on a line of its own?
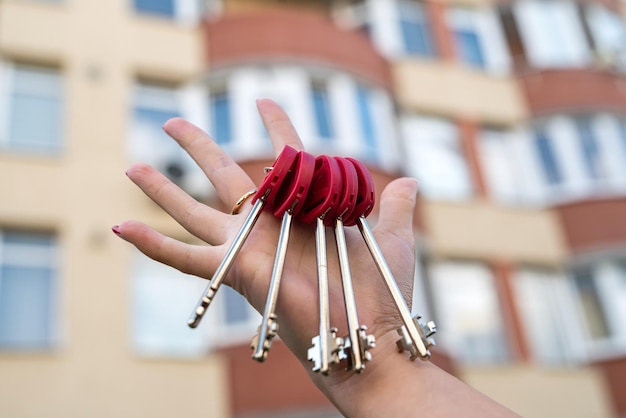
column 330, row 192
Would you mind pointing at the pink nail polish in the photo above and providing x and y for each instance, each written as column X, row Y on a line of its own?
column 116, row 230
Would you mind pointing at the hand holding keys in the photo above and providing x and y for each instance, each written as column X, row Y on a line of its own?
column 304, row 191
column 329, row 192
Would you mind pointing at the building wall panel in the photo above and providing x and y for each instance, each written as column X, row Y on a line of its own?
column 453, row 91
column 478, row 230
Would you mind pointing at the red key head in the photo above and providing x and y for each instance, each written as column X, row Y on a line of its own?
column 347, row 199
column 365, row 196
column 295, row 187
column 274, row 178
column 325, row 190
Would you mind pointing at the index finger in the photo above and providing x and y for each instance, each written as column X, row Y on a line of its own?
column 278, row 126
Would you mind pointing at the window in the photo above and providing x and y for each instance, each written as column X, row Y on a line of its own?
column 608, row 31
column 323, row 115
column 221, row 119
column 591, row 304
column 157, row 7
column 435, row 158
column 580, row 155
column 479, row 38
column 34, row 93
column 163, row 299
column 415, row 29
column 470, row 50
column 465, row 28
column 590, row 149
column 28, row 290
column 154, row 104
column 552, row 32
column 601, row 293
column 622, row 136
column 500, row 165
column 366, row 118
column 547, row 157
column 467, row 307
column 547, row 313
column 181, row 10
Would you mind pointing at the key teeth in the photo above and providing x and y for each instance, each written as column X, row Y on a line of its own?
column 368, row 342
column 336, row 354
column 426, row 331
column 272, row 332
column 313, row 354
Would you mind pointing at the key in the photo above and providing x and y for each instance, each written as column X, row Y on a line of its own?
column 268, row 189
column 360, row 342
column 324, row 194
column 415, row 336
column 288, row 201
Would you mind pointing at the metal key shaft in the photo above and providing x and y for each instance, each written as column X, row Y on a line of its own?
column 267, row 191
column 268, row 329
column 418, row 332
column 227, row 262
column 360, row 342
column 326, row 348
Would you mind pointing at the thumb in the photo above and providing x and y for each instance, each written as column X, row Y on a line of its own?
column 397, row 204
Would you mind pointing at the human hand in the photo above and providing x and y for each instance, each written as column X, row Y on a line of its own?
column 297, row 307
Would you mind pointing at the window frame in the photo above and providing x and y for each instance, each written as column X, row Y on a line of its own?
column 438, row 135
column 8, row 72
column 49, row 253
column 605, row 283
column 454, row 343
column 418, row 18
column 187, row 12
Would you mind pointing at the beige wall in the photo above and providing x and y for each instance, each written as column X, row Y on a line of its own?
column 539, row 392
column 479, row 230
column 100, row 47
column 449, row 90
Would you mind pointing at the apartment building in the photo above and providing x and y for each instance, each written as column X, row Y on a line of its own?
column 512, row 115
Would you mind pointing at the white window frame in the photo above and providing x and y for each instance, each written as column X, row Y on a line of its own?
column 564, row 137
column 483, row 22
column 572, row 49
column 607, row 279
column 7, row 80
column 188, row 101
column 40, row 257
column 451, row 339
column 549, row 315
column 416, row 129
column 511, row 150
column 168, row 297
column 608, row 30
column 290, row 87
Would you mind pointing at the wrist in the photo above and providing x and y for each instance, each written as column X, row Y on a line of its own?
column 392, row 385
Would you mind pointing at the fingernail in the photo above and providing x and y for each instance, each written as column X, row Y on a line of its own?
column 116, row 230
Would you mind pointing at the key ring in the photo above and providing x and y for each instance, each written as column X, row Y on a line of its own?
column 239, row 203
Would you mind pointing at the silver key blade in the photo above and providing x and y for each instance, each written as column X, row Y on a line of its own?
column 226, row 264
column 418, row 341
column 269, row 326
column 356, row 347
column 324, row 311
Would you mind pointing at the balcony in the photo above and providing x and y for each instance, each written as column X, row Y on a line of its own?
column 570, row 90
column 594, row 224
column 450, row 90
column 481, row 231
column 289, row 35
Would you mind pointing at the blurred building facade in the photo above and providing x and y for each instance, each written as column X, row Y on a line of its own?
column 512, row 115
